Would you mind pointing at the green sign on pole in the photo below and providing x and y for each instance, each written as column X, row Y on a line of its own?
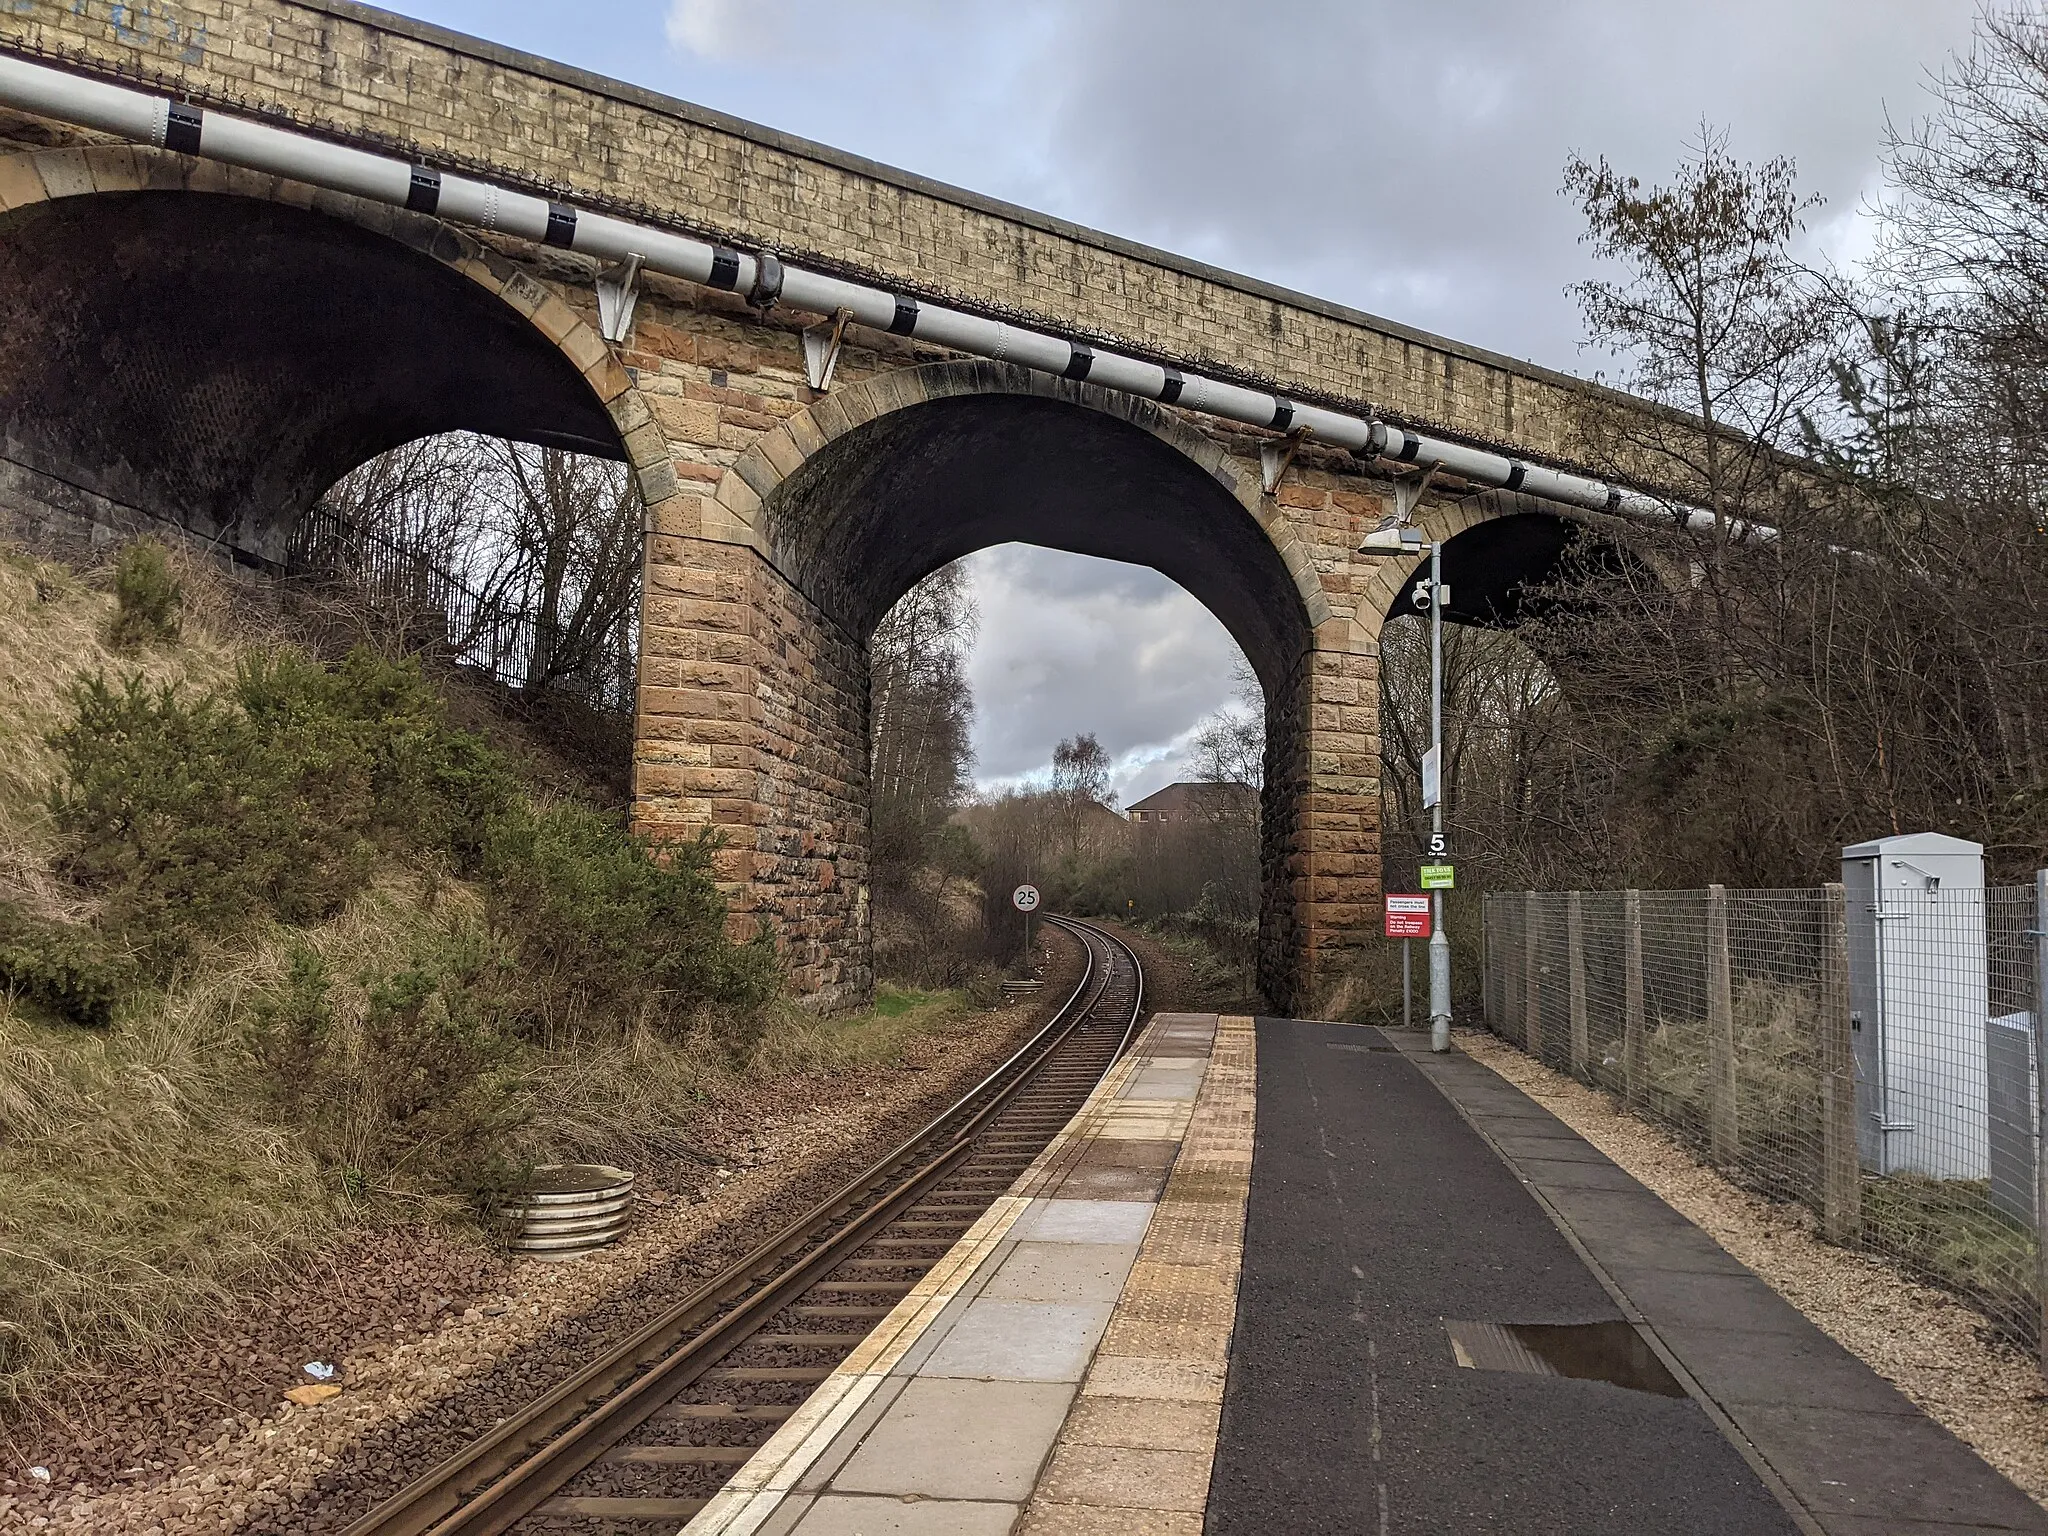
column 1437, row 877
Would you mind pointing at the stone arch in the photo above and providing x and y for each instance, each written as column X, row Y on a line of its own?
column 1494, row 543
column 780, row 456
column 844, row 506
column 193, row 341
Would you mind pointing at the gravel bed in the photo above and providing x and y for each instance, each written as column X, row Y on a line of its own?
column 437, row 1339
column 1926, row 1343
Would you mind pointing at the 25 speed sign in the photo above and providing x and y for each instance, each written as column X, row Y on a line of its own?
column 1025, row 898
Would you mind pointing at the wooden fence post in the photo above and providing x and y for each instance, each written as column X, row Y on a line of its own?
column 1841, row 1176
column 1724, row 1139
column 1632, row 998
column 1532, row 1012
column 1575, row 941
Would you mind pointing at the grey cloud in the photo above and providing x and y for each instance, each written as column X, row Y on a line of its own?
column 1406, row 158
column 1072, row 644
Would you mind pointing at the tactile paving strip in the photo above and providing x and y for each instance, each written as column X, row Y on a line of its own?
column 1134, row 1457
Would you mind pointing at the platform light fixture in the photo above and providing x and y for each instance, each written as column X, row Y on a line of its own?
column 1398, row 536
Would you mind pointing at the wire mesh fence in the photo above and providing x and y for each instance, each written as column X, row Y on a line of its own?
column 1869, row 1053
column 438, row 610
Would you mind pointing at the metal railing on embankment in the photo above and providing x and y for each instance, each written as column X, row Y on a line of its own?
column 1876, row 1063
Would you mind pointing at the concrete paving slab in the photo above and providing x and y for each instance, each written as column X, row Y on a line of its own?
column 1627, row 1233
column 838, row 1514
column 921, row 1350
column 1518, row 1144
column 983, row 1440
column 1020, row 1341
column 1857, row 1525
column 1574, row 1173
column 1136, row 1422
column 1793, row 1367
column 1904, row 1469
column 1129, row 1152
column 1085, row 1221
column 821, row 1472
column 1125, row 1477
column 1110, row 1183
column 1738, row 1302
column 1180, row 1381
column 1166, row 1085
column 1080, row 1520
column 1070, row 1272
column 1508, row 1117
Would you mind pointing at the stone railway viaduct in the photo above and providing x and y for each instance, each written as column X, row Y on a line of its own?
column 183, row 340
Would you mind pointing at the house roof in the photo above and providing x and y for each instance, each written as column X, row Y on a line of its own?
column 1206, row 799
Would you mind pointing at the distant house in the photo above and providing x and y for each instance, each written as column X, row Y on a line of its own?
column 1193, row 803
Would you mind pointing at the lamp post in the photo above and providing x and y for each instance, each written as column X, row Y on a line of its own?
column 1400, row 538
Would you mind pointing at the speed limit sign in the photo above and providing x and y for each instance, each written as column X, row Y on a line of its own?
column 1025, row 898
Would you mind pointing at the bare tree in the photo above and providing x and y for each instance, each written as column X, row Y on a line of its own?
column 1715, row 317
column 1231, row 747
column 1080, row 785
column 566, row 549
column 530, row 555
column 921, row 716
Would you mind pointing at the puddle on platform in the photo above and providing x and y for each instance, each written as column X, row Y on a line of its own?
column 1611, row 1352
column 1363, row 1049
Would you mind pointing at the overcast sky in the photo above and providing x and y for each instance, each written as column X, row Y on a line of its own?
column 1400, row 157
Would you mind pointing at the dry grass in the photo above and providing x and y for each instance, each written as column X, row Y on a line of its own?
column 639, row 1102
column 1928, row 1344
column 799, row 1042
column 146, row 1176
column 138, row 1184
column 53, row 627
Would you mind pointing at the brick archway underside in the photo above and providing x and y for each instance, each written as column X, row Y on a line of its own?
column 220, row 360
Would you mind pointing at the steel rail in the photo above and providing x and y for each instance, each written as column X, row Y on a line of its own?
column 506, row 1473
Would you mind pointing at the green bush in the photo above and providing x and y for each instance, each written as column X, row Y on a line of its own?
column 150, row 598
column 420, row 1092
column 61, row 968
column 192, row 817
column 190, row 821
column 433, row 787
column 605, row 931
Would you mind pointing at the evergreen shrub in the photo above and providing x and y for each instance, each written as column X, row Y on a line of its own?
column 63, row 969
column 150, row 599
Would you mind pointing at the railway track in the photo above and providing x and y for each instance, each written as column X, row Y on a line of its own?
column 644, row 1435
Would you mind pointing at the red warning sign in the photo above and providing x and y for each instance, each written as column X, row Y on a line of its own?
column 1407, row 917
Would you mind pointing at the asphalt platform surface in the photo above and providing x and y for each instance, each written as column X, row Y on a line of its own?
column 1376, row 1213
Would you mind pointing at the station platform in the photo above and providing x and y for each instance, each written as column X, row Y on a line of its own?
column 1304, row 1277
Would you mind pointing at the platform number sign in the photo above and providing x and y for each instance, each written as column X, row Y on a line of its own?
column 1025, row 898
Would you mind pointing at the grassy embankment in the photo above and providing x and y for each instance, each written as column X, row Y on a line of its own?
column 283, row 952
